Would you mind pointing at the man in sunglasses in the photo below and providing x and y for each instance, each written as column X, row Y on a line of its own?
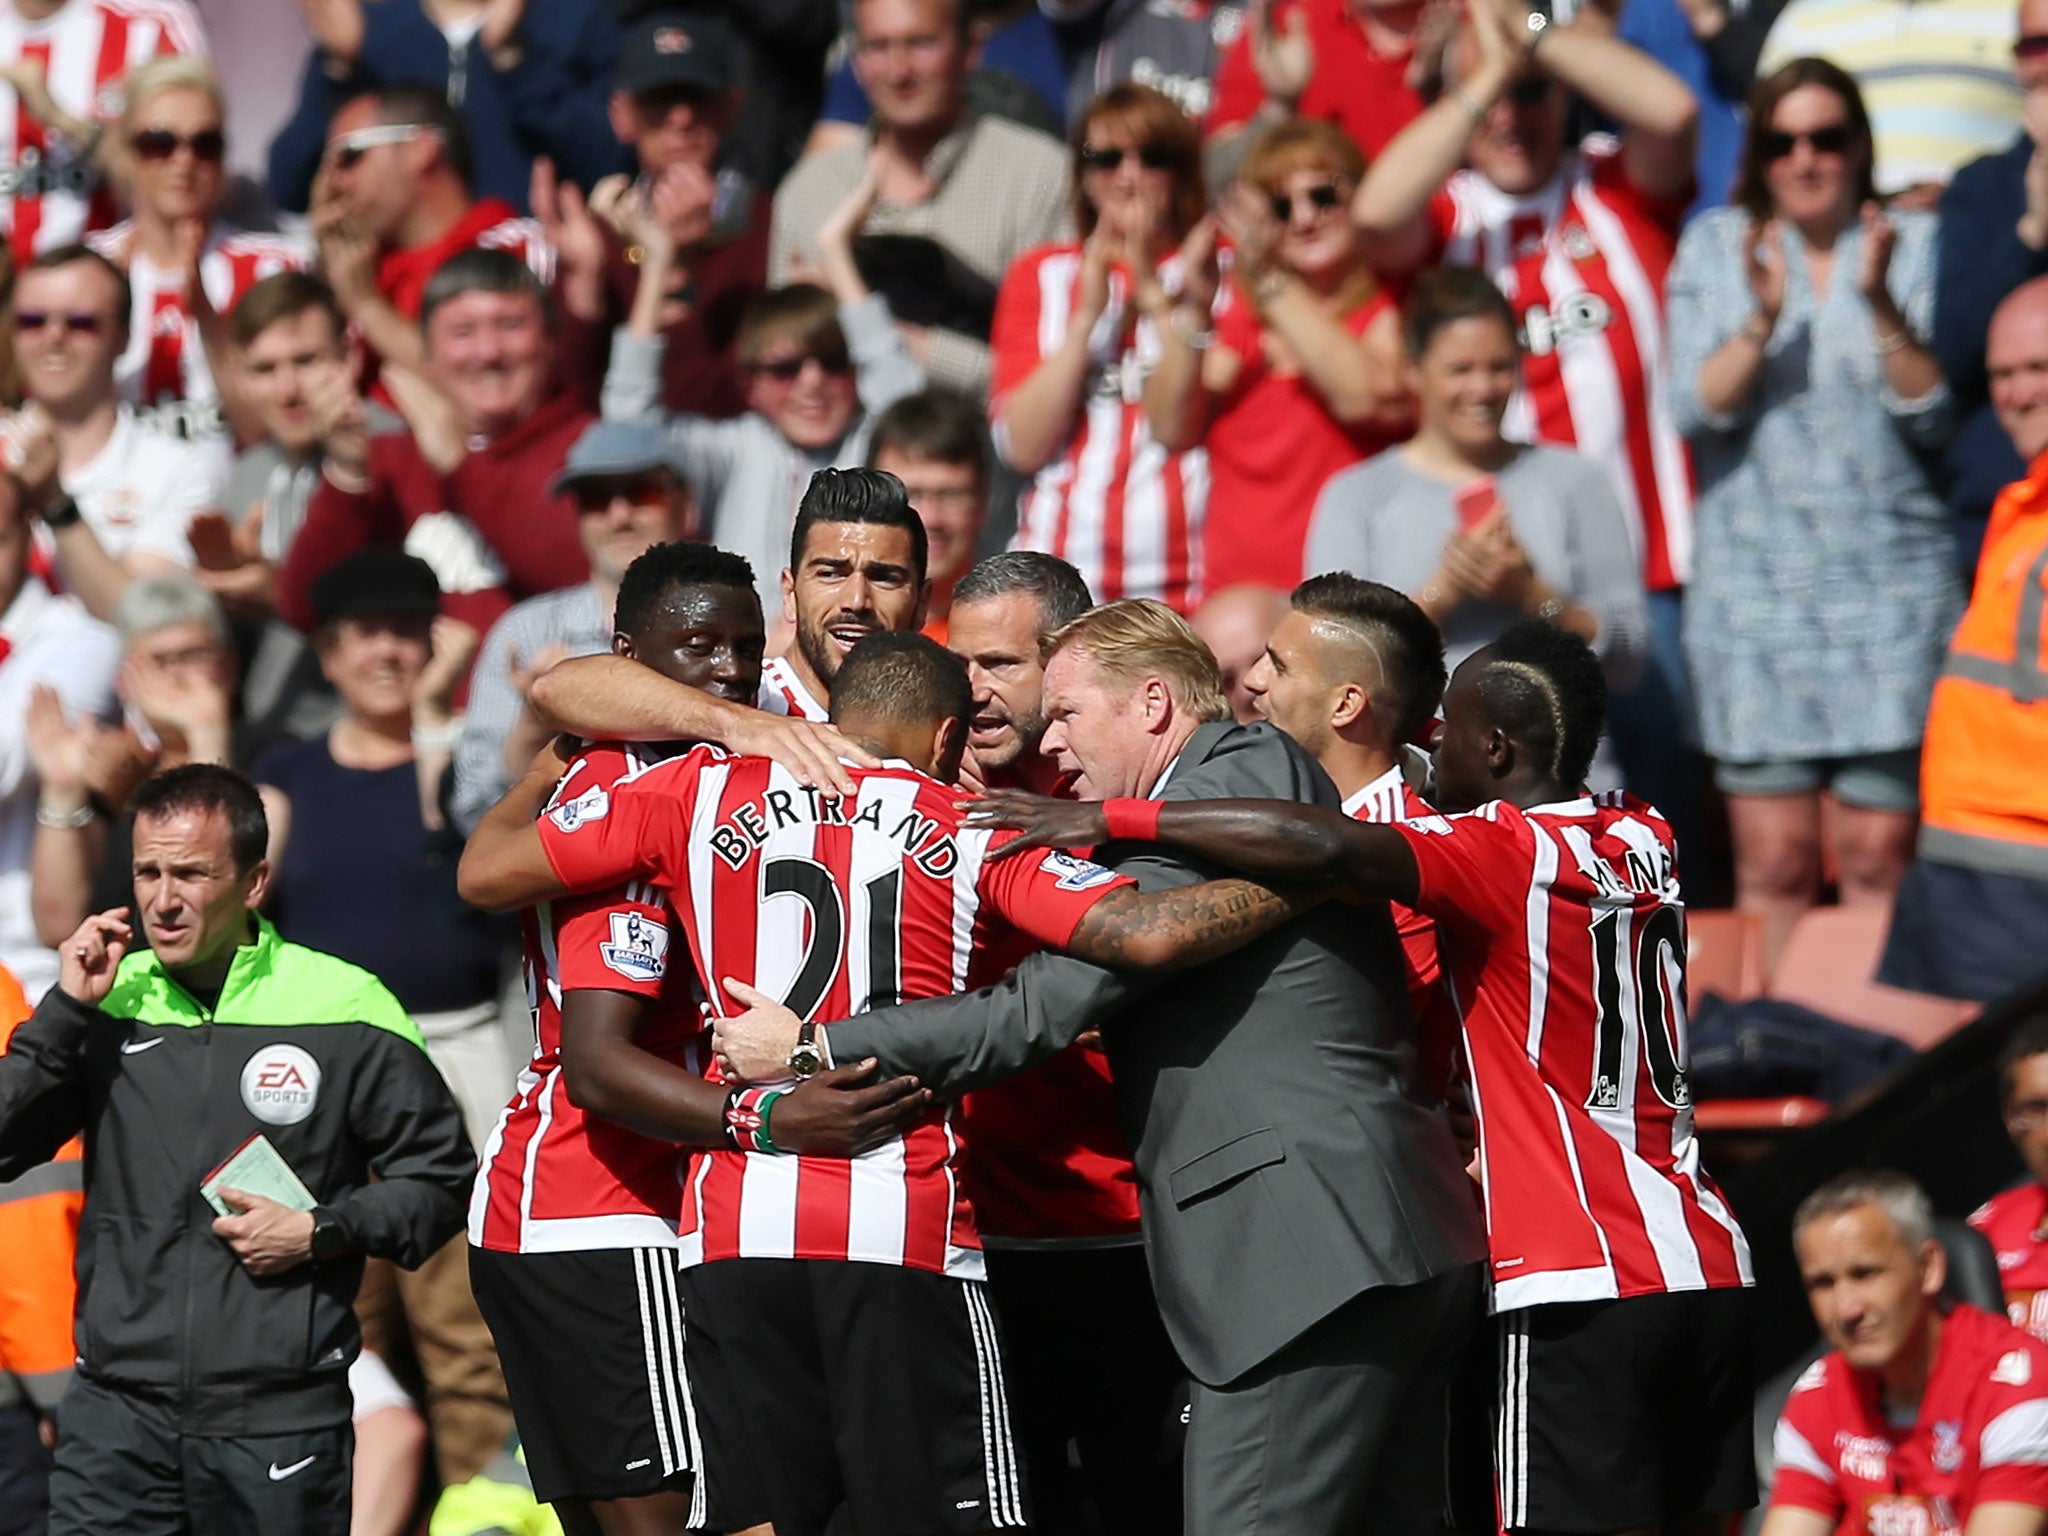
column 629, row 495
column 1579, row 239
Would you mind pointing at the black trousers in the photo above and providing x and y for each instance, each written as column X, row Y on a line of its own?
column 1090, row 1366
column 124, row 1465
column 24, row 1473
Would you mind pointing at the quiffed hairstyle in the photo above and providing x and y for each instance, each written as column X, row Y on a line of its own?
column 209, row 788
column 1544, row 687
column 1444, row 296
column 284, row 296
column 662, row 570
column 1135, row 638
column 858, row 496
column 168, row 72
column 477, row 270
column 1752, row 184
column 1060, row 591
column 901, row 676
column 938, row 424
column 800, row 312
column 1403, row 639
column 1301, row 144
column 1150, row 117
column 67, row 255
column 1899, row 1196
column 401, row 106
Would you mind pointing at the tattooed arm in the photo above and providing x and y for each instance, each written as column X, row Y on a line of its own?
column 1188, row 926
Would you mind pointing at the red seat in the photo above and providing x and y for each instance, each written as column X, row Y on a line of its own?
column 1828, row 966
column 1722, row 1115
column 1724, row 954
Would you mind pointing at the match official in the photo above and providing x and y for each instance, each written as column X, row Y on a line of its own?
column 212, row 1386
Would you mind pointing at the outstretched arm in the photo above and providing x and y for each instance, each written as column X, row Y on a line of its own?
column 1271, row 839
column 1190, row 925
column 504, row 866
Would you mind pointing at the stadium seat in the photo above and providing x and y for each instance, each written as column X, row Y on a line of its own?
column 1828, row 964
column 1724, row 954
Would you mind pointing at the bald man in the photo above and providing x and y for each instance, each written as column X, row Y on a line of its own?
column 1971, row 918
column 1235, row 623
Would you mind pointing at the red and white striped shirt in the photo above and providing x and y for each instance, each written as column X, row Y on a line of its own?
column 52, row 195
column 1563, row 932
column 834, row 906
column 166, row 362
column 1388, row 801
column 553, row 1178
column 1113, row 503
column 1583, row 260
column 784, row 693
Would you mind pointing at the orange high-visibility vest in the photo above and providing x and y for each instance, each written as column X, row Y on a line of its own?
column 1984, row 765
column 39, row 1236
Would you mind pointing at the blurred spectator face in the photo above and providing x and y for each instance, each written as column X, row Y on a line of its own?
column 1816, row 158
column 2030, row 49
column 855, row 580
column 375, row 168
column 912, row 60
column 178, row 148
column 1235, row 624
column 1123, row 173
column 620, row 517
column 1098, row 727
column 952, row 501
column 186, row 655
column 68, row 329
column 1464, row 380
column 806, row 392
column 676, row 126
column 1290, row 684
column 998, row 639
column 1313, row 208
column 1869, row 1290
column 1522, row 141
column 193, row 902
column 709, row 637
column 280, row 369
column 491, row 355
column 2016, row 363
column 2026, row 1113
column 374, row 663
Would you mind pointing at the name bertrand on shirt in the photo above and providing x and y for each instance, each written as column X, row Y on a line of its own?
column 745, row 827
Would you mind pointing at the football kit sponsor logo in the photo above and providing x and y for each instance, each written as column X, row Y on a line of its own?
column 281, row 1084
column 639, row 947
column 591, row 805
column 1076, row 874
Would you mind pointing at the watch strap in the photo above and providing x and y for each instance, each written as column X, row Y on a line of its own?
column 62, row 512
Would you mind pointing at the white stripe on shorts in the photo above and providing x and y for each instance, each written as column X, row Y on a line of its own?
column 1511, row 1447
column 999, row 1452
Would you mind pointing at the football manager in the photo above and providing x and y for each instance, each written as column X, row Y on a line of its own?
column 213, row 1351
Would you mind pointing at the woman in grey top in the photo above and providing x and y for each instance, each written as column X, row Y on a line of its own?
column 1824, row 587
column 1541, row 534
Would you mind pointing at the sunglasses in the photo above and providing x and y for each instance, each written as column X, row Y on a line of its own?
column 1105, row 157
column 1321, row 199
column 209, row 146
column 600, row 495
column 787, row 370
column 2032, row 46
column 1834, row 139
column 350, row 148
column 36, row 319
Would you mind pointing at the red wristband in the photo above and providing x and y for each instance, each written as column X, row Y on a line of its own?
column 1131, row 820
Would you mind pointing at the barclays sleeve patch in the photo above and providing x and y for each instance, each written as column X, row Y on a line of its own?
column 592, row 805
column 1076, row 874
column 639, row 947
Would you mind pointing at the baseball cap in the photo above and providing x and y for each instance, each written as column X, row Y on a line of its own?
column 615, row 448
column 376, row 583
column 676, row 48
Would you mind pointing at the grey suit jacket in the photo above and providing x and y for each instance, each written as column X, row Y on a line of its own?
column 1286, row 1161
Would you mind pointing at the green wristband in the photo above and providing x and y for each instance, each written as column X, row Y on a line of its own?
column 764, row 1141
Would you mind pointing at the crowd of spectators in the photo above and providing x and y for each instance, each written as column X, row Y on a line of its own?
column 1701, row 331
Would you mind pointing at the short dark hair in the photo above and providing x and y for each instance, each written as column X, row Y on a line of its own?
column 478, row 270
column 209, row 788
column 2029, row 1038
column 67, row 255
column 1544, row 687
column 858, row 496
column 422, row 106
column 901, row 676
column 937, row 424
column 284, row 296
column 1409, row 645
column 1446, row 295
column 1062, row 592
column 662, row 569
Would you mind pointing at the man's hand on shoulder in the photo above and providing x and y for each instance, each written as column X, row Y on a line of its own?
column 1039, row 821
column 267, row 1237
column 809, row 749
column 843, row 1111
column 92, row 955
column 754, row 1046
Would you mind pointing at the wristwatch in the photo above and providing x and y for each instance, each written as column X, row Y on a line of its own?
column 62, row 512
column 1538, row 23
column 807, row 1057
column 329, row 1240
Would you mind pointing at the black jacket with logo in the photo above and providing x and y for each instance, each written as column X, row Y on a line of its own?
column 306, row 1049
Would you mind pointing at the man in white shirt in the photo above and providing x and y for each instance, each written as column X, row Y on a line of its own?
column 116, row 496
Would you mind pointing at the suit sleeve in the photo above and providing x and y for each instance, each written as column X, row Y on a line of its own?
column 409, row 1126
column 42, row 1083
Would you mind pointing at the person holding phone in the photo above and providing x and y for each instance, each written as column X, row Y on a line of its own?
column 1825, row 588
column 1482, row 531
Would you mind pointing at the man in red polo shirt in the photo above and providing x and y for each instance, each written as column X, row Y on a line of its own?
column 392, row 202
column 2016, row 1222
column 1927, row 1419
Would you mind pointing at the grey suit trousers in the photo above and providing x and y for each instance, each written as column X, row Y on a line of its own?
column 1342, row 1432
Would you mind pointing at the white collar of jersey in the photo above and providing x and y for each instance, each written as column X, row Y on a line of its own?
column 1392, row 781
column 1582, row 806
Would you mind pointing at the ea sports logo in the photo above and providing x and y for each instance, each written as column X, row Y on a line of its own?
column 280, row 1084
